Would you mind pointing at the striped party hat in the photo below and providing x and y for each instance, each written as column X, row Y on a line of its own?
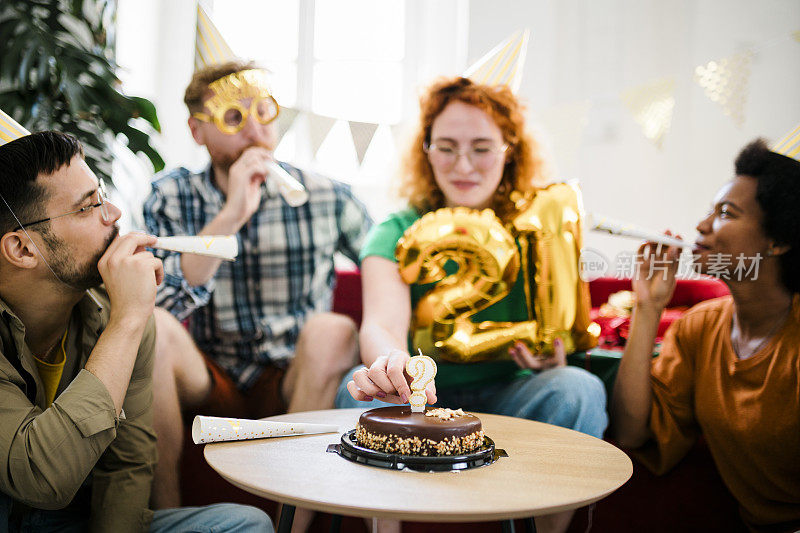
column 210, row 47
column 789, row 145
column 10, row 129
column 503, row 64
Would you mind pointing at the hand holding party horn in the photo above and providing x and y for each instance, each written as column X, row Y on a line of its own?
column 219, row 246
column 606, row 225
column 292, row 190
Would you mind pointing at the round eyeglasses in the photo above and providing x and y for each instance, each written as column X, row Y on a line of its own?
column 101, row 201
column 481, row 156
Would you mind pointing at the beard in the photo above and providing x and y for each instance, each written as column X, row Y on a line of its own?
column 80, row 277
column 224, row 161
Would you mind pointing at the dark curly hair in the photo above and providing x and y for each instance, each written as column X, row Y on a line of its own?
column 778, row 194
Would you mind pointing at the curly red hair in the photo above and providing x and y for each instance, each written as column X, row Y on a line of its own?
column 525, row 166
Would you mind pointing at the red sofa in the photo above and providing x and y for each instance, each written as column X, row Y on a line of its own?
column 691, row 497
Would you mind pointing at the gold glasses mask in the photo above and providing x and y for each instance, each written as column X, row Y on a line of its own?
column 226, row 110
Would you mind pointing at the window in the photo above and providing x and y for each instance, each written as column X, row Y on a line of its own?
column 267, row 32
column 344, row 60
column 337, row 58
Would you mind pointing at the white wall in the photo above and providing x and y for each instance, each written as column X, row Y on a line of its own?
column 579, row 49
column 594, row 49
column 157, row 56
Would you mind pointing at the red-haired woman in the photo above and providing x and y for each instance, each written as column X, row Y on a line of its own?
column 471, row 150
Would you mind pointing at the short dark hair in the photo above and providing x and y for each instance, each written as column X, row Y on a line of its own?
column 778, row 194
column 21, row 162
column 198, row 86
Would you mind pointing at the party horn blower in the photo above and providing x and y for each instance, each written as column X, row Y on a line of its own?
column 292, row 190
column 215, row 429
column 220, row 246
column 606, row 225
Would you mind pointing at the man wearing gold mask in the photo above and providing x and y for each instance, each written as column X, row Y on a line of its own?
column 262, row 338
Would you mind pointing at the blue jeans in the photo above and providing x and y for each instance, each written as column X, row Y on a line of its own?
column 219, row 518
column 222, row 517
column 567, row 396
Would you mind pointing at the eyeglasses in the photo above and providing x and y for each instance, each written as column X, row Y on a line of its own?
column 480, row 156
column 231, row 118
column 102, row 203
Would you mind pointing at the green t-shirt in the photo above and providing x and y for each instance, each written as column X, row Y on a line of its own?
column 382, row 241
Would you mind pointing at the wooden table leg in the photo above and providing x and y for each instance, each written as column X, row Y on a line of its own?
column 287, row 517
column 336, row 523
column 508, row 526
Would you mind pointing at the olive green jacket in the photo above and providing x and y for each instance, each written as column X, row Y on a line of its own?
column 46, row 454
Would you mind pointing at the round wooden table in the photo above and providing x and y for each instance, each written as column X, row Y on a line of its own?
column 548, row 469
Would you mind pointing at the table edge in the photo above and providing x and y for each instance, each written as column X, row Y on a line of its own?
column 421, row 516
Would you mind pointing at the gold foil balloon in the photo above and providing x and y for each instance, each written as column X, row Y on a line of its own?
column 488, row 262
column 548, row 229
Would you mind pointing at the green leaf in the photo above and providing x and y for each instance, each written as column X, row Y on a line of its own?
column 138, row 141
column 57, row 71
column 147, row 111
column 24, row 66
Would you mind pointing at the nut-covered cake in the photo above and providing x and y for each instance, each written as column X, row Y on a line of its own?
column 437, row 431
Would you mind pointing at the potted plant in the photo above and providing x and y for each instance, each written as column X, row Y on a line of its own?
column 57, row 71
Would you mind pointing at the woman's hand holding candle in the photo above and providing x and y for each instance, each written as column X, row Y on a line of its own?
column 387, row 380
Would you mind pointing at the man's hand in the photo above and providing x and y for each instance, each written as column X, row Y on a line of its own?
column 387, row 380
column 244, row 183
column 131, row 275
column 524, row 358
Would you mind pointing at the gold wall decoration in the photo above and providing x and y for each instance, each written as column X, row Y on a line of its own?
column 725, row 82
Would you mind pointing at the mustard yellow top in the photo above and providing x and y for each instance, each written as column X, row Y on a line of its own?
column 51, row 372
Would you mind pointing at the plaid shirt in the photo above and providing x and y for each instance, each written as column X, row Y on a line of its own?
column 250, row 313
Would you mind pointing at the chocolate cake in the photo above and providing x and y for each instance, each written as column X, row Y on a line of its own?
column 437, row 431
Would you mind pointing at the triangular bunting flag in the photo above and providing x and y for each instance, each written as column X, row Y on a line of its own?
column 210, row 47
column 362, row 133
column 725, row 82
column 285, row 120
column 318, row 128
column 503, row 64
column 652, row 106
column 565, row 124
column 796, row 35
column 789, row 145
column 10, row 129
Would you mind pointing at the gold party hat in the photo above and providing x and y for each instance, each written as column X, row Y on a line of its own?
column 503, row 64
column 210, row 47
column 789, row 145
column 10, row 129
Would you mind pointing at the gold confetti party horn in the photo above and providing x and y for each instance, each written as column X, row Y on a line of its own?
column 214, row 429
column 219, row 246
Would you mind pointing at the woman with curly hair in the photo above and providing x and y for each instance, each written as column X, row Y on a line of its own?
column 471, row 150
column 729, row 368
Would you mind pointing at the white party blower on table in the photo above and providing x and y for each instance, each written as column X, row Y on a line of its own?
column 220, row 246
column 603, row 224
column 292, row 190
column 215, row 429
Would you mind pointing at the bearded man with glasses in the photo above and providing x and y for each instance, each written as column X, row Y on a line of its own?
column 77, row 340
